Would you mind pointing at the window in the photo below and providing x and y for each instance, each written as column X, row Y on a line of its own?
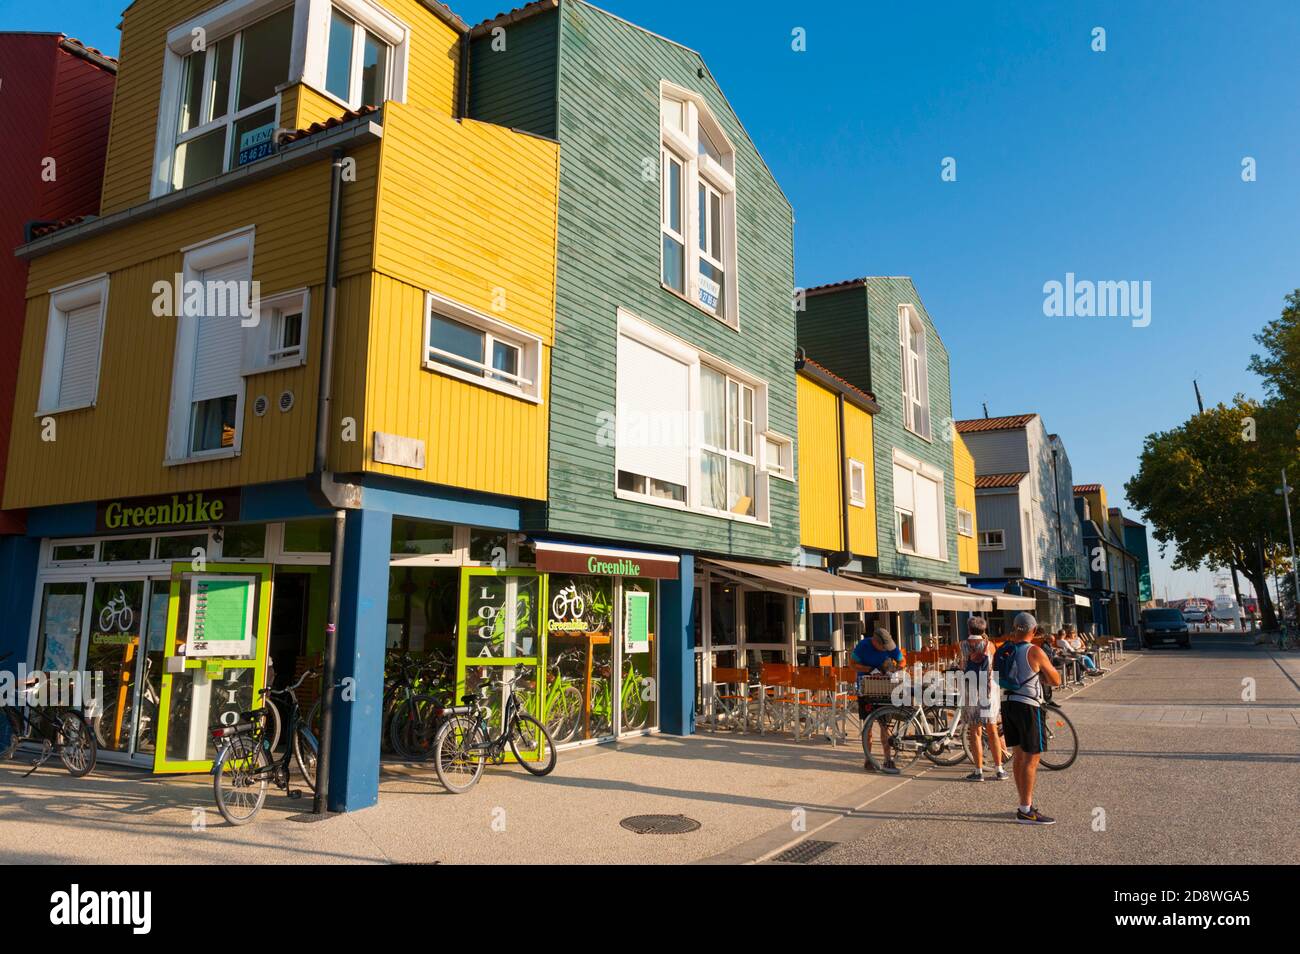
column 778, row 455
column 207, row 376
column 857, row 483
column 464, row 344
column 699, row 200
column 229, row 104
column 992, row 540
column 73, row 339
column 919, row 507
column 359, row 63
column 916, row 375
column 692, row 434
column 727, row 461
column 279, row 339
column 965, row 522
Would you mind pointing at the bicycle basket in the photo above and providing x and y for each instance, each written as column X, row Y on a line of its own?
column 878, row 688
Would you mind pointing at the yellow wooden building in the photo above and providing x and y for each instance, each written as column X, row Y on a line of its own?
column 963, row 470
column 290, row 185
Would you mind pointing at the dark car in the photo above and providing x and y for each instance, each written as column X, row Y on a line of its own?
column 1164, row 627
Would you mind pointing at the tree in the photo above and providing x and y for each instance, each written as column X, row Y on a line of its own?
column 1207, row 488
column 1279, row 365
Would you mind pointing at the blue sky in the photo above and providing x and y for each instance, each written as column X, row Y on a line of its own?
column 1123, row 165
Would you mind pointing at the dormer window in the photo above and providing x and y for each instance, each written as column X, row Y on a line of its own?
column 358, row 67
column 229, row 100
column 698, row 206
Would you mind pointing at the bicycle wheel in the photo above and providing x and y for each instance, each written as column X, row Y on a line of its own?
column 635, row 710
column 11, row 731
column 902, row 728
column 948, row 750
column 77, row 748
column 458, row 754
column 1062, row 741
column 272, row 725
column 566, row 714
column 984, row 742
column 306, row 752
column 533, row 746
column 415, row 728
column 240, row 786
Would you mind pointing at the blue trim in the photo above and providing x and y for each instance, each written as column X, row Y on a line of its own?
column 444, row 504
column 68, row 520
column 677, row 650
column 19, row 559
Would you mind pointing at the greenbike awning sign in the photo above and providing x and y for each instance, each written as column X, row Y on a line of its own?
column 200, row 508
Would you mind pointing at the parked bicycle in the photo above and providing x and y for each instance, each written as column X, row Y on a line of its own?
column 415, row 709
column 1062, row 740
column 910, row 731
column 59, row 731
column 246, row 755
column 465, row 742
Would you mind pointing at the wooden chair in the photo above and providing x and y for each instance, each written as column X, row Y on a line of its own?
column 815, row 691
column 731, row 695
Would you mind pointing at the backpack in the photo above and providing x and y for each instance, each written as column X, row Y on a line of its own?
column 1004, row 663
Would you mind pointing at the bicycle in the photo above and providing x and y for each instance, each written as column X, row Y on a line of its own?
column 415, row 716
column 246, row 759
column 60, row 731
column 465, row 741
column 562, row 701
column 910, row 731
column 1062, row 741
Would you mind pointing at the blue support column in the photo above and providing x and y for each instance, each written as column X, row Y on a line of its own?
column 363, row 624
column 677, row 651
column 19, row 557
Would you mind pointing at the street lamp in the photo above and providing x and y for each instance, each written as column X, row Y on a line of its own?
column 1285, row 492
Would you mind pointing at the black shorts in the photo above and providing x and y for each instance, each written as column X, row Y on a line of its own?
column 1023, row 725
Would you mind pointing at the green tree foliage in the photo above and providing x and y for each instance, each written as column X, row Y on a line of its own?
column 1279, row 365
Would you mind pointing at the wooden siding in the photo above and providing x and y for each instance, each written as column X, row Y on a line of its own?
column 467, row 210
column 609, row 257
column 433, row 62
column 859, row 441
column 117, row 448
column 963, row 469
column 820, row 493
column 517, row 87
column 857, row 338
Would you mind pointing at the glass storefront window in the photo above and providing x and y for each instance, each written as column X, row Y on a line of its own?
column 640, row 683
column 182, row 548
column 73, row 552
column 150, row 689
column 116, row 622
column 502, row 617
column 488, row 546
column 580, row 630
column 309, row 536
column 58, row 644
column 244, row 541
column 126, row 551
column 765, row 618
column 423, row 609
column 421, row 538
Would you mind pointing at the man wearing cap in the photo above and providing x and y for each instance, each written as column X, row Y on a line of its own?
column 878, row 653
column 1021, row 667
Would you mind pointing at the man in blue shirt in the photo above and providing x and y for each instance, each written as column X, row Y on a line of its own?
column 878, row 653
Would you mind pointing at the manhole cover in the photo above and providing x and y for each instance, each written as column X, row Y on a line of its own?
column 805, row 852
column 660, row 824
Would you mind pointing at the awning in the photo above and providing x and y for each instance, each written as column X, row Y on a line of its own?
column 1082, row 601
column 554, row 556
column 1005, row 601
column 826, row 592
column 942, row 596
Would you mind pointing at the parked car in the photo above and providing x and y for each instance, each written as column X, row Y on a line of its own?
column 1193, row 615
column 1164, row 626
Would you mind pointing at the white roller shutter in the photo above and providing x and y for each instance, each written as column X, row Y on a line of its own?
column 927, row 516
column 653, row 413
column 80, row 375
column 218, row 354
column 904, row 494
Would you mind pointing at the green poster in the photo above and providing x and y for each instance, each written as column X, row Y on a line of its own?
column 221, row 616
column 636, row 623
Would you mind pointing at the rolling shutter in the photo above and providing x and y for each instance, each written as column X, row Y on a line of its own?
column 927, row 516
column 80, row 374
column 218, row 354
column 653, row 413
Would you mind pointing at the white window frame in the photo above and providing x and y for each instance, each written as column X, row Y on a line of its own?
column 986, row 540
column 308, row 59
column 857, row 473
column 965, row 522
column 199, row 258
column 700, row 169
column 64, row 300
column 527, row 385
column 388, row 31
column 920, row 468
column 734, row 412
column 657, row 339
column 915, row 367
column 783, row 466
column 264, row 351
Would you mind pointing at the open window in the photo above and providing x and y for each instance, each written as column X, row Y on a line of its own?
column 73, row 342
column 919, row 508
column 698, row 205
column 279, row 339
